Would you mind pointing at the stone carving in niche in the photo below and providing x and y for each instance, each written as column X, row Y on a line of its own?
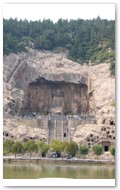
column 45, row 96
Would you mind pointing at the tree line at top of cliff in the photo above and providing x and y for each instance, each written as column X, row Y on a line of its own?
column 86, row 40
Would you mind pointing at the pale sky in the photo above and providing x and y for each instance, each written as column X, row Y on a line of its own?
column 56, row 11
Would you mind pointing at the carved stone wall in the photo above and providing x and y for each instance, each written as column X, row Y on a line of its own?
column 43, row 96
column 57, row 104
column 46, row 127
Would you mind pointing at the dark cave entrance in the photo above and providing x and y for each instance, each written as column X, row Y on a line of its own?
column 106, row 148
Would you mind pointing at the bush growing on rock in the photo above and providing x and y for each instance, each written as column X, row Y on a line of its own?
column 97, row 149
column 112, row 68
column 71, row 148
column 84, row 149
column 112, row 150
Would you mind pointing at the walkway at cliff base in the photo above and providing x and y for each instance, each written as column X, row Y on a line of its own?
column 57, row 160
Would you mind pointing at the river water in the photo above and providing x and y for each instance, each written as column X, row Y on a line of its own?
column 45, row 170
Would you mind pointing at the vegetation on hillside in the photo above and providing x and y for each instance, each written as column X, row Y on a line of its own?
column 60, row 148
column 112, row 68
column 84, row 149
column 112, row 150
column 97, row 149
column 17, row 148
column 30, row 146
column 85, row 40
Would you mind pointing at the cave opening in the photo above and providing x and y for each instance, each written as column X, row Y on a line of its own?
column 111, row 123
column 106, row 148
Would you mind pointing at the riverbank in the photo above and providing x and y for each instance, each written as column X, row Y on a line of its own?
column 56, row 160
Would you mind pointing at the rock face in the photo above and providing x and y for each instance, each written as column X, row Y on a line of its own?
column 45, row 82
column 22, row 129
column 58, row 97
column 70, row 80
column 27, row 67
column 104, row 93
column 91, row 134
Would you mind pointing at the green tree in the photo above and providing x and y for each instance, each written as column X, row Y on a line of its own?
column 43, row 43
column 84, row 149
column 7, row 146
column 71, row 148
column 30, row 146
column 17, row 148
column 43, row 147
column 97, row 149
column 85, row 39
column 57, row 146
column 112, row 150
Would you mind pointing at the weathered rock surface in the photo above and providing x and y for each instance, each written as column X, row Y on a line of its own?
column 52, row 66
column 21, row 129
column 104, row 84
column 24, row 68
column 104, row 92
column 94, row 133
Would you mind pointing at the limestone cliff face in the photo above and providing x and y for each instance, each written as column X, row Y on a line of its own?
column 57, row 97
column 22, row 70
column 104, row 92
column 91, row 134
column 67, row 87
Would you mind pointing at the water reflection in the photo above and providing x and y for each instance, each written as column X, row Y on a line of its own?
column 34, row 171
